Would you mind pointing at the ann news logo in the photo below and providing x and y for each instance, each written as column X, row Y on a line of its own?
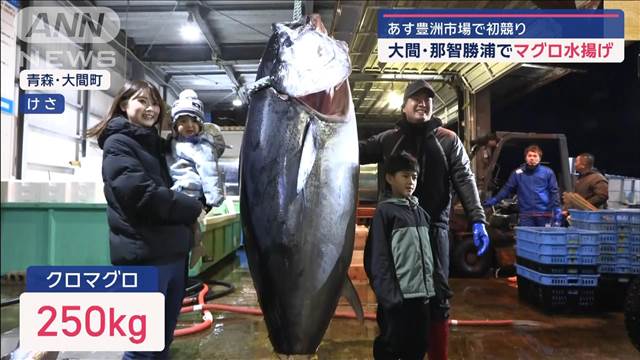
column 42, row 24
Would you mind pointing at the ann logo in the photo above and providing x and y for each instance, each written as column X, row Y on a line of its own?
column 67, row 24
column 41, row 25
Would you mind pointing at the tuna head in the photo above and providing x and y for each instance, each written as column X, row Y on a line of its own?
column 302, row 59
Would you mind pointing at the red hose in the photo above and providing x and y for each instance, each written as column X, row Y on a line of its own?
column 208, row 318
column 481, row 322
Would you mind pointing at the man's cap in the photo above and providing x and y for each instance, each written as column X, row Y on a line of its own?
column 416, row 86
column 188, row 104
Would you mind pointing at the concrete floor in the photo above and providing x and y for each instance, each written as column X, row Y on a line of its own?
column 236, row 336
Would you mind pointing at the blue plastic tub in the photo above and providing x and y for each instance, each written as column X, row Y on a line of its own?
column 600, row 216
column 557, row 259
column 598, row 226
column 619, row 269
column 615, row 259
column 557, row 235
column 545, row 249
column 557, row 279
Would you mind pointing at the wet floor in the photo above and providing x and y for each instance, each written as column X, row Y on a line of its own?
column 238, row 336
column 594, row 336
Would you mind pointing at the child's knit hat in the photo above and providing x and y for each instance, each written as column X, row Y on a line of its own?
column 187, row 104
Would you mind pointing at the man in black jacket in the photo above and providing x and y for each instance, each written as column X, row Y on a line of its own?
column 443, row 162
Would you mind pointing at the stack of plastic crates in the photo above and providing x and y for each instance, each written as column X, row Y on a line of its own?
column 619, row 245
column 557, row 267
column 619, row 238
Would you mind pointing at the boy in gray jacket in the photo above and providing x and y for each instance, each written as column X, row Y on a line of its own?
column 399, row 263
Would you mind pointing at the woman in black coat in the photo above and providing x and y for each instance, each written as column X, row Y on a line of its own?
column 149, row 224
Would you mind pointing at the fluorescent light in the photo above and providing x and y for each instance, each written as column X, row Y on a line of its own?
column 190, row 32
column 395, row 100
column 236, row 102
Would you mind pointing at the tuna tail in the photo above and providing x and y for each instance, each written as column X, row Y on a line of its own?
column 349, row 292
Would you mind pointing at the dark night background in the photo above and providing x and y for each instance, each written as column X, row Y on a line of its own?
column 598, row 111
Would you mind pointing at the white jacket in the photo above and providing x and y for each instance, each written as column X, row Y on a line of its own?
column 193, row 165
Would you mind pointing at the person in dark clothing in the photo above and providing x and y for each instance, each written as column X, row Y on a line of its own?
column 485, row 146
column 591, row 184
column 444, row 163
column 149, row 224
column 537, row 190
column 399, row 274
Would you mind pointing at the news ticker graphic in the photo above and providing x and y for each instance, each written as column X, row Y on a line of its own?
column 92, row 308
column 55, row 79
column 535, row 36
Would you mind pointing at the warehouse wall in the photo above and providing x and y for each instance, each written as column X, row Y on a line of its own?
column 52, row 144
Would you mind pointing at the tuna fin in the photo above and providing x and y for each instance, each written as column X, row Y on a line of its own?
column 349, row 292
column 307, row 158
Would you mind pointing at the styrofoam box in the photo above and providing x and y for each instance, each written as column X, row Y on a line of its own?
column 629, row 184
column 615, row 196
column 19, row 191
column 53, row 192
column 85, row 192
column 615, row 185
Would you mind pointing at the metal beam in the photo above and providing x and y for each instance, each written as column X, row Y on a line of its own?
column 192, row 63
column 241, row 51
column 200, row 16
column 194, row 73
column 232, row 53
column 367, row 88
column 174, row 52
column 378, row 98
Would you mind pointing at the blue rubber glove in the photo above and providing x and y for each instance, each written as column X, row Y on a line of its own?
column 557, row 217
column 489, row 202
column 480, row 238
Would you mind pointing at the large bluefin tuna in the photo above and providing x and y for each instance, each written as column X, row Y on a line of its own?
column 299, row 176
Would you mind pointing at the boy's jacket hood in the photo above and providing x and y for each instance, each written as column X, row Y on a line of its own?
column 410, row 201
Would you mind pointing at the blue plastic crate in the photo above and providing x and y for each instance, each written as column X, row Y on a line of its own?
column 554, row 269
column 603, row 216
column 628, row 228
column 589, row 237
column 628, row 216
column 619, row 216
column 556, row 279
column 614, row 249
column 594, row 225
column 608, row 238
column 557, row 298
column 615, row 259
column 616, row 269
column 548, row 235
column 624, row 238
column 557, row 259
column 557, row 235
column 545, row 249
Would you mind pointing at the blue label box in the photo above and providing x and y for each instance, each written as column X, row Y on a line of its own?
column 92, row 279
column 41, row 103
